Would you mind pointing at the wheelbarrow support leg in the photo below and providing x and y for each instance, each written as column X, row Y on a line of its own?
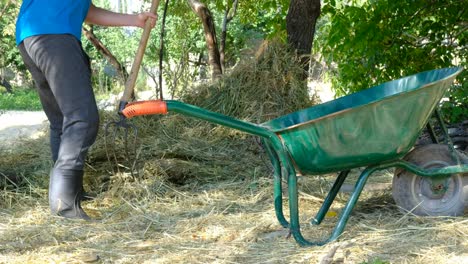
column 295, row 227
column 282, row 158
column 330, row 198
column 277, row 184
column 447, row 138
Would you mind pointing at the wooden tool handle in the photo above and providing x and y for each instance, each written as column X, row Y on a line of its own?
column 130, row 84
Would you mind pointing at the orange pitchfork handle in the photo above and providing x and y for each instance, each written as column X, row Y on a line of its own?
column 150, row 107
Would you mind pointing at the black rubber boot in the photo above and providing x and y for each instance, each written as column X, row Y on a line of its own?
column 65, row 190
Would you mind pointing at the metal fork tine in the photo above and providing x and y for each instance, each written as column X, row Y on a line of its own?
column 127, row 153
column 114, row 155
column 106, row 143
column 131, row 154
column 110, row 147
column 116, row 136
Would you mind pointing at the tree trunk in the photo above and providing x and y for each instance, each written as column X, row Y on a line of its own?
column 106, row 53
column 227, row 18
column 161, row 49
column 300, row 26
column 210, row 36
column 6, row 84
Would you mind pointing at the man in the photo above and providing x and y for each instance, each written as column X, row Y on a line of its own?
column 48, row 34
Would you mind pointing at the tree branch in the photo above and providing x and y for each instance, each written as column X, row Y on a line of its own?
column 210, row 36
column 105, row 52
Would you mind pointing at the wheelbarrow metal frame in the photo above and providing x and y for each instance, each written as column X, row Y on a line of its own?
column 284, row 152
column 284, row 168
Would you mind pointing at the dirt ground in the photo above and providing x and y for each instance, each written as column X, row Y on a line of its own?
column 17, row 125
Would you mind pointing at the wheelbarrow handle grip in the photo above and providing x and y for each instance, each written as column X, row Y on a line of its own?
column 150, row 107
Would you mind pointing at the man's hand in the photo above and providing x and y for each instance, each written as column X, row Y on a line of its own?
column 142, row 17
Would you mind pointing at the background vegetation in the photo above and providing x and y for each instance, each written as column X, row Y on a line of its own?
column 360, row 43
column 200, row 193
column 369, row 42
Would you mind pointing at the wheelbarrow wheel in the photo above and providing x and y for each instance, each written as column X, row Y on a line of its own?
column 461, row 143
column 431, row 196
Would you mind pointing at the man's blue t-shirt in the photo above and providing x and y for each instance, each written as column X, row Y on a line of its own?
column 38, row 17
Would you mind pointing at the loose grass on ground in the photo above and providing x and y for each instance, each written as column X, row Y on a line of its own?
column 202, row 193
column 226, row 219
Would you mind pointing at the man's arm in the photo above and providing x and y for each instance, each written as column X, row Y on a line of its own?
column 102, row 17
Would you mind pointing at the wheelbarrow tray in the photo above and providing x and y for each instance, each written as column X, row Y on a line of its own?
column 368, row 127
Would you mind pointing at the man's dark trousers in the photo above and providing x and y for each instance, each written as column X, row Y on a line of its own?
column 61, row 71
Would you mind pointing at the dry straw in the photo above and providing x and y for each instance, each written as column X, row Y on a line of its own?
column 204, row 194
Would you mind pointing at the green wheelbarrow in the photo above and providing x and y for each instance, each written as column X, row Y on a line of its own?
column 375, row 129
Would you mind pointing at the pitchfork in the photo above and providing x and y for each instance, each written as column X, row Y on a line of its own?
column 129, row 129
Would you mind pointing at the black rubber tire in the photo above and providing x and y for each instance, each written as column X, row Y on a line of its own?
column 461, row 143
column 413, row 193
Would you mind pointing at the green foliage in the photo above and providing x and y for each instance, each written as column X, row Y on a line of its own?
column 21, row 99
column 371, row 42
column 455, row 109
column 267, row 17
column 9, row 54
column 184, row 39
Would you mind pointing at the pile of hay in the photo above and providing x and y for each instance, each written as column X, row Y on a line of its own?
column 258, row 89
column 180, row 149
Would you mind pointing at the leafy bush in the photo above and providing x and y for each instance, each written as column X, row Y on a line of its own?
column 365, row 43
column 455, row 108
column 21, row 99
